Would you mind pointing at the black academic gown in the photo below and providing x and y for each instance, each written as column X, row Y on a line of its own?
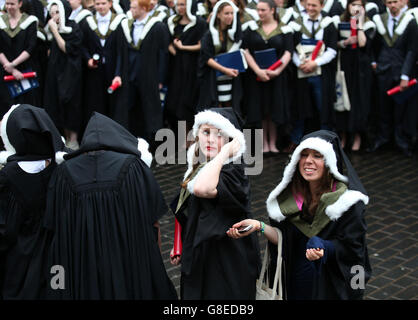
column 305, row 107
column 113, row 62
column 182, row 94
column 395, row 57
column 208, row 94
column 12, row 44
column 101, row 208
column 215, row 266
column 271, row 98
column 62, row 97
column 146, row 71
column 24, row 242
column 356, row 64
column 335, row 278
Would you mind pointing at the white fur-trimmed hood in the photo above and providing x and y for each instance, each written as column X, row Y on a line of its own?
column 231, row 32
column 333, row 211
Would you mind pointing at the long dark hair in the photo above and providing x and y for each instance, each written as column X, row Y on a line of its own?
column 347, row 14
column 272, row 5
column 300, row 185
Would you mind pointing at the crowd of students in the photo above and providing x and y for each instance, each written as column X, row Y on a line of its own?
column 142, row 50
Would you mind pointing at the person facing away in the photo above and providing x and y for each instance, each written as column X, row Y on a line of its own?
column 320, row 212
column 215, row 193
column 33, row 149
column 103, row 209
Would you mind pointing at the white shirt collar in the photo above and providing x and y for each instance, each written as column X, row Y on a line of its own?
column 104, row 18
column 75, row 12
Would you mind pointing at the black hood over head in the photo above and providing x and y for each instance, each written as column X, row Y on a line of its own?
column 29, row 134
column 103, row 133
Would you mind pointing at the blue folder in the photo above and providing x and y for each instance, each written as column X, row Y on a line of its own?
column 233, row 60
column 17, row 88
column 265, row 58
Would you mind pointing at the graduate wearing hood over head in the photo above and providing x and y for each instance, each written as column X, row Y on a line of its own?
column 103, row 209
column 320, row 212
column 215, row 193
column 33, row 149
column 224, row 35
column 62, row 95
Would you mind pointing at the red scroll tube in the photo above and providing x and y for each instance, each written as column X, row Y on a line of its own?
column 398, row 88
column 273, row 67
column 26, row 75
column 353, row 27
column 178, row 245
column 113, row 87
column 316, row 50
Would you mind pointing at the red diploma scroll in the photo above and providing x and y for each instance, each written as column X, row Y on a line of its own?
column 353, row 26
column 273, row 67
column 25, row 76
column 316, row 50
column 398, row 88
column 113, row 87
column 178, row 245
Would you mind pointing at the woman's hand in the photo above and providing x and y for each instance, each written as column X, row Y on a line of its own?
column 9, row 67
column 263, row 75
column 273, row 73
column 17, row 74
column 231, row 72
column 171, row 49
column 233, row 231
column 178, row 44
column 175, row 260
column 117, row 79
column 52, row 25
column 314, row 254
column 231, row 148
column 91, row 64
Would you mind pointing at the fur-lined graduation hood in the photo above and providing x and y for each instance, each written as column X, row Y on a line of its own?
column 328, row 144
column 234, row 32
column 102, row 133
column 191, row 14
column 64, row 12
column 29, row 134
column 224, row 119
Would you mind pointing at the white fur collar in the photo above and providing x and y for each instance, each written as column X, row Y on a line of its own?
column 146, row 156
column 213, row 31
column 82, row 14
column 328, row 5
column 370, row 6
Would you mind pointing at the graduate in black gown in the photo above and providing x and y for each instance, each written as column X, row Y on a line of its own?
column 148, row 53
column 355, row 59
column 33, row 147
column 17, row 44
column 186, row 30
column 214, row 195
column 224, row 35
column 103, row 208
column 394, row 51
column 266, row 101
column 63, row 89
column 321, row 213
column 315, row 86
column 105, row 38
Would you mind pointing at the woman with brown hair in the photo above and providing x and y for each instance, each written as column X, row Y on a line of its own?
column 320, row 212
column 224, row 36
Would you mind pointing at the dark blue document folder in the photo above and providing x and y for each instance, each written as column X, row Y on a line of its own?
column 233, row 60
column 265, row 58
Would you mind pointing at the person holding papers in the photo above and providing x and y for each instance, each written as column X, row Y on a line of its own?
column 17, row 43
column 315, row 35
column 395, row 51
column 220, row 85
column 266, row 100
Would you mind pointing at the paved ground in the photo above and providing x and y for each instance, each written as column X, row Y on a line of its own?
column 391, row 181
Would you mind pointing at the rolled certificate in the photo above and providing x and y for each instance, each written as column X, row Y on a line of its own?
column 353, row 27
column 316, row 50
column 26, row 75
column 398, row 88
column 273, row 67
column 113, row 87
column 96, row 58
column 178, row 245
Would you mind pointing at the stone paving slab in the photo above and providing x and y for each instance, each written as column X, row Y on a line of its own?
column 391, row 181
